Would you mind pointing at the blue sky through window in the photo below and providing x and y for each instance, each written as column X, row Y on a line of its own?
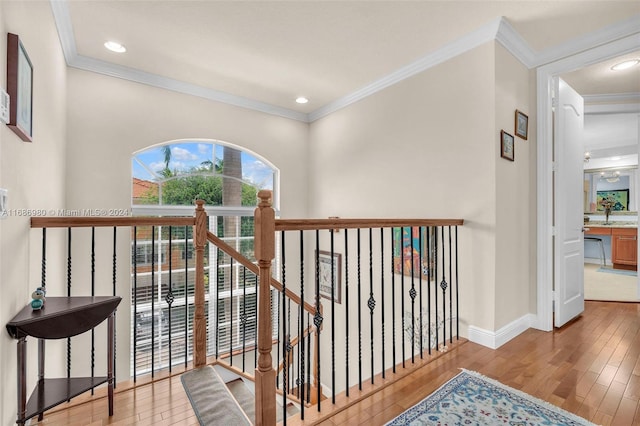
column 187, row 157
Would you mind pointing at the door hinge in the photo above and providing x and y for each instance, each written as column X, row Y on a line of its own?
column 554, row 166
column 553, row 231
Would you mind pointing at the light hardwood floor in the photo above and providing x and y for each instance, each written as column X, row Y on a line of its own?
column 590, row 367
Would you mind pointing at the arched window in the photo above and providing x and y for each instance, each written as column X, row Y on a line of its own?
column 166, row 181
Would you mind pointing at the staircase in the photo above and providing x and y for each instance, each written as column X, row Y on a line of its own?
column 219, row 396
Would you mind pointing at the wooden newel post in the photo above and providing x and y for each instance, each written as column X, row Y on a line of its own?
column 264, row 244
column 199, row 320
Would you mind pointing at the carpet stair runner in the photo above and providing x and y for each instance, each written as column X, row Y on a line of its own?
column 217, row 403
column 247, row 400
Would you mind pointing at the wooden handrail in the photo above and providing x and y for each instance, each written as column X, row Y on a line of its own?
column 240, row 258
column 78, row 222
column 336, row 223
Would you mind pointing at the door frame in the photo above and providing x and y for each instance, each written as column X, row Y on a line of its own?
column 545, row 230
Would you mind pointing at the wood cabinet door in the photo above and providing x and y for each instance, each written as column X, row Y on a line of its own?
column 624, row 247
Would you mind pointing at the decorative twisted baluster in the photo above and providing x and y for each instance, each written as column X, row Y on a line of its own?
column 393, row 302
column 169, row 297
column 68, row 295
column 371, row 302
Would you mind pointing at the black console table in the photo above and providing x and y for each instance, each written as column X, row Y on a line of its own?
column 60, row 318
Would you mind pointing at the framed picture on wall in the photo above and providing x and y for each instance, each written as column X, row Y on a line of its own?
column 506, row 146
column 522, row 125
column 326, row 265
column 20, row 88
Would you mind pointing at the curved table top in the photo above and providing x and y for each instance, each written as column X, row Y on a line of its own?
column 62, row 317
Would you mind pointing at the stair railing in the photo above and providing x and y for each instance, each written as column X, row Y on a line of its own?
column 391, row 292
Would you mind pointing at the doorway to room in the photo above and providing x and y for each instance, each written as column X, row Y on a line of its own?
column 548, row 286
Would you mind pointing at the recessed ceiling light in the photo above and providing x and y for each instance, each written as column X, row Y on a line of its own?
column 115, row 47
column 626, row 64
column 302, row 100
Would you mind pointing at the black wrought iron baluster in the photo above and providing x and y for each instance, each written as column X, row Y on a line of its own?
column 333, row 319
column 429, row 275
column 231, row 310
column 135, row 301
column 243, row 318
column 301, row 333
column 186, row 295
column 382, row 294
column 371, row 303
column 359, row 313
column 457, row 300
column 153, row 301
column 435, row 282
column 93, row 293
column 420, row 273
column 412, row 294
column 450, row 290
column 169, row 297
column 346, row 304
column 393, row 302
column 402, row 280
column 68, row 295
column 317, row 320
column 285, row 339
column 443, row 286
column 114, row 272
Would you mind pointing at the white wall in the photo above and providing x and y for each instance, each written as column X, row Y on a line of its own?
column 422, row 148
column 34, row 175
column 515, row 248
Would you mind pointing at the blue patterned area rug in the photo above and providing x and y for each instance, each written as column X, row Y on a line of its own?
column 473, row 399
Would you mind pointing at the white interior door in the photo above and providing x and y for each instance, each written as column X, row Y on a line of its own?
column 568, row 204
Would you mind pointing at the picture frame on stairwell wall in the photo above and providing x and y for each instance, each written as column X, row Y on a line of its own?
column 326, row 264
column 522, row 125
column 507, row 148
column 19, row 88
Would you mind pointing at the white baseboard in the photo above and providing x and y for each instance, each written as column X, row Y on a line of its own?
column 495, row 339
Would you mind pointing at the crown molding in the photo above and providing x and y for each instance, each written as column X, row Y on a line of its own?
column 155, row 80
column 64, row 25
column 511, row 40
column 499, row 30
column 614, row 98
column 603, row 36
column 468, row 42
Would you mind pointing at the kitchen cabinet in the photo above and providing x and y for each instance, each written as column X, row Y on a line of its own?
column 624, row 248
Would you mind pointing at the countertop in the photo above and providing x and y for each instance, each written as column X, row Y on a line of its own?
column 617, row 224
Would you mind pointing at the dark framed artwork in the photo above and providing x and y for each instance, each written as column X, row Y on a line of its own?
column 506, row 146
column 20, row 88
column 326, row 265
column 522, row 125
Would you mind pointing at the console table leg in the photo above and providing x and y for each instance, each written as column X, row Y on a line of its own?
column 22, row 380
column 110, row 361
column 40, row 368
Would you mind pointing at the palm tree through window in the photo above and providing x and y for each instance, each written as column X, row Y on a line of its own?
column 166, row 180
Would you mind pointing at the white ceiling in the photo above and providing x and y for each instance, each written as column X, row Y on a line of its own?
column 264, row 54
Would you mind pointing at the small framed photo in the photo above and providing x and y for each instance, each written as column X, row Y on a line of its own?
column 327, row 265
column 506, row 146
column 20, row 88
column 522, row 125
